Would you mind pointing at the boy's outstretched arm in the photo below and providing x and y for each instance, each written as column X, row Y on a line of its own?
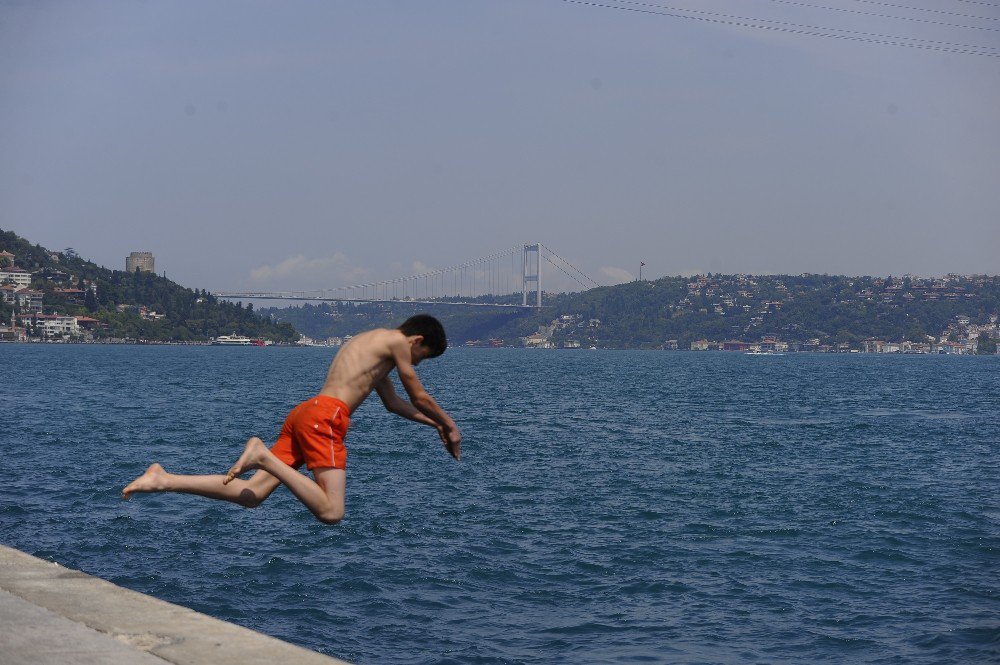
column 421, row 400
column 395, row 404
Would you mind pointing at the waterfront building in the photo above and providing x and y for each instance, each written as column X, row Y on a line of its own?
column 143, row 261
column 12, row 334
column 15, row 275
column 52, row 325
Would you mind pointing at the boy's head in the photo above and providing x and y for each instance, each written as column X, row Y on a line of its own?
column 430, row 329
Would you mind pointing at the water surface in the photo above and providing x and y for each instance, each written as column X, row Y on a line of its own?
column 610, row 506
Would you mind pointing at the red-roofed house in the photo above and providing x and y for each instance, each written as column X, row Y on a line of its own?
column 73, row 295
column 87, row 323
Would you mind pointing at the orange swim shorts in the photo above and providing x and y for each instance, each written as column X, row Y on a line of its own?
column 314, row 433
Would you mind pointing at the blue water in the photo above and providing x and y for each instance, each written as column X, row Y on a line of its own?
column 610, row 506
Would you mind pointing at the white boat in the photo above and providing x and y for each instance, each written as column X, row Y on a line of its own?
column 231, row 340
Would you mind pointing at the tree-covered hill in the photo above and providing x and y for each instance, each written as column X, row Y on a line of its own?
column 138, row 305
column 795, row 308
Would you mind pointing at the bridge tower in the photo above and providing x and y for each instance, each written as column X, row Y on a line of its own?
column 531, row 274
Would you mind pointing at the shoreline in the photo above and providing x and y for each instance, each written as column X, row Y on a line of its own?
column 52, row 615
column 713, row 352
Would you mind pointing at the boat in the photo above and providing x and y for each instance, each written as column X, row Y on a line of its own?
column 231, row 340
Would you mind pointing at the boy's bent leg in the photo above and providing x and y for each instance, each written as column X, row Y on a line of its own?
column 334, row 484
column 249, row 493
column 324, row 497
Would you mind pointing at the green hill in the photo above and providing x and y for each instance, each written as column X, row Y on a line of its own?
column 816, row 309
column 138, row 305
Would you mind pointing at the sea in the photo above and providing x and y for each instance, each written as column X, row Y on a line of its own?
column 609, row 507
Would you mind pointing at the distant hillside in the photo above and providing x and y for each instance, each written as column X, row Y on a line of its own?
column 822, row 309
column 138, row 306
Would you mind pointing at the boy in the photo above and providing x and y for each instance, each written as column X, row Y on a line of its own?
column 314, row 431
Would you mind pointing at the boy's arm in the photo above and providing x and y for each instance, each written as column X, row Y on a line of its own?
column 422, row 401
column 393, row 403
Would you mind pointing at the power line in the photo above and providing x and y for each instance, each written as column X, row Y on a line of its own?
column 816, row 27
column 924, row 9
column 978, row 2
column 747, row 23
column 890, row 16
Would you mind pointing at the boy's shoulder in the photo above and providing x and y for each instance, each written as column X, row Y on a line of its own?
column 379, row 339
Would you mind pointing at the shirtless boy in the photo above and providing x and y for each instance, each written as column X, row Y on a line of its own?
column 314, row 431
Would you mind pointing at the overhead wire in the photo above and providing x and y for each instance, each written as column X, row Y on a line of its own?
column 856, row 32
column 979, row 2
column 814, row 27
column 745, row 22
column 924, row 9
column 890, row 16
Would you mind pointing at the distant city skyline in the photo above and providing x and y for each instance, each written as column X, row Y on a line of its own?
column 312, row 145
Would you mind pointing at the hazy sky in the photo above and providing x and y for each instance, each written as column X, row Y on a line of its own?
column 282, row 145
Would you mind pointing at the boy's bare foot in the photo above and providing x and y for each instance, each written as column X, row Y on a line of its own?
column 150, row 481
column 251, row 458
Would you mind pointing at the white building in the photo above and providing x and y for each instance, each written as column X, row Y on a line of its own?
column 15, row 275
column 53, row 325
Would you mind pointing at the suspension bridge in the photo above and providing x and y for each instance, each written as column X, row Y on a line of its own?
column 489, row 281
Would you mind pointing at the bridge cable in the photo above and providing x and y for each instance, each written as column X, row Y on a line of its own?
column 585, row 275
column 565, row 273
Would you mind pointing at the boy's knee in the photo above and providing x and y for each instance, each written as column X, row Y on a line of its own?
column 330, row 516
column 249, row 500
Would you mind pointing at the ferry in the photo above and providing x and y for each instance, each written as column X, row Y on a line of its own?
column 232, row 340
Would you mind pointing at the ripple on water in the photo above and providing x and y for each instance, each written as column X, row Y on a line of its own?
column 827, row 509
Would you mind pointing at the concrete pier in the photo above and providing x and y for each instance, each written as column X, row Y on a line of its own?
column 59, row 616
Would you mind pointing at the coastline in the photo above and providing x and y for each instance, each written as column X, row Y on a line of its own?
column 856, row 352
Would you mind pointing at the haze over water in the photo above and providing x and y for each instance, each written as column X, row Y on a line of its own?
column 610, row 506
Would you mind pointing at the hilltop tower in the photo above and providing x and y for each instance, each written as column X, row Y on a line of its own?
column 144, row 261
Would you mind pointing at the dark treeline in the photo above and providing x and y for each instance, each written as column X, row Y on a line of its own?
column 188, row 314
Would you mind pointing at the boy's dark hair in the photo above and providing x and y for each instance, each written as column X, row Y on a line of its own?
column 430, row 328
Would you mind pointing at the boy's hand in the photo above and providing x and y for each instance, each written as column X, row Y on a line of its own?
column 452, row 440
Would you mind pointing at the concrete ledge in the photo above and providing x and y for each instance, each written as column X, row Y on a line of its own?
column 51, row 614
